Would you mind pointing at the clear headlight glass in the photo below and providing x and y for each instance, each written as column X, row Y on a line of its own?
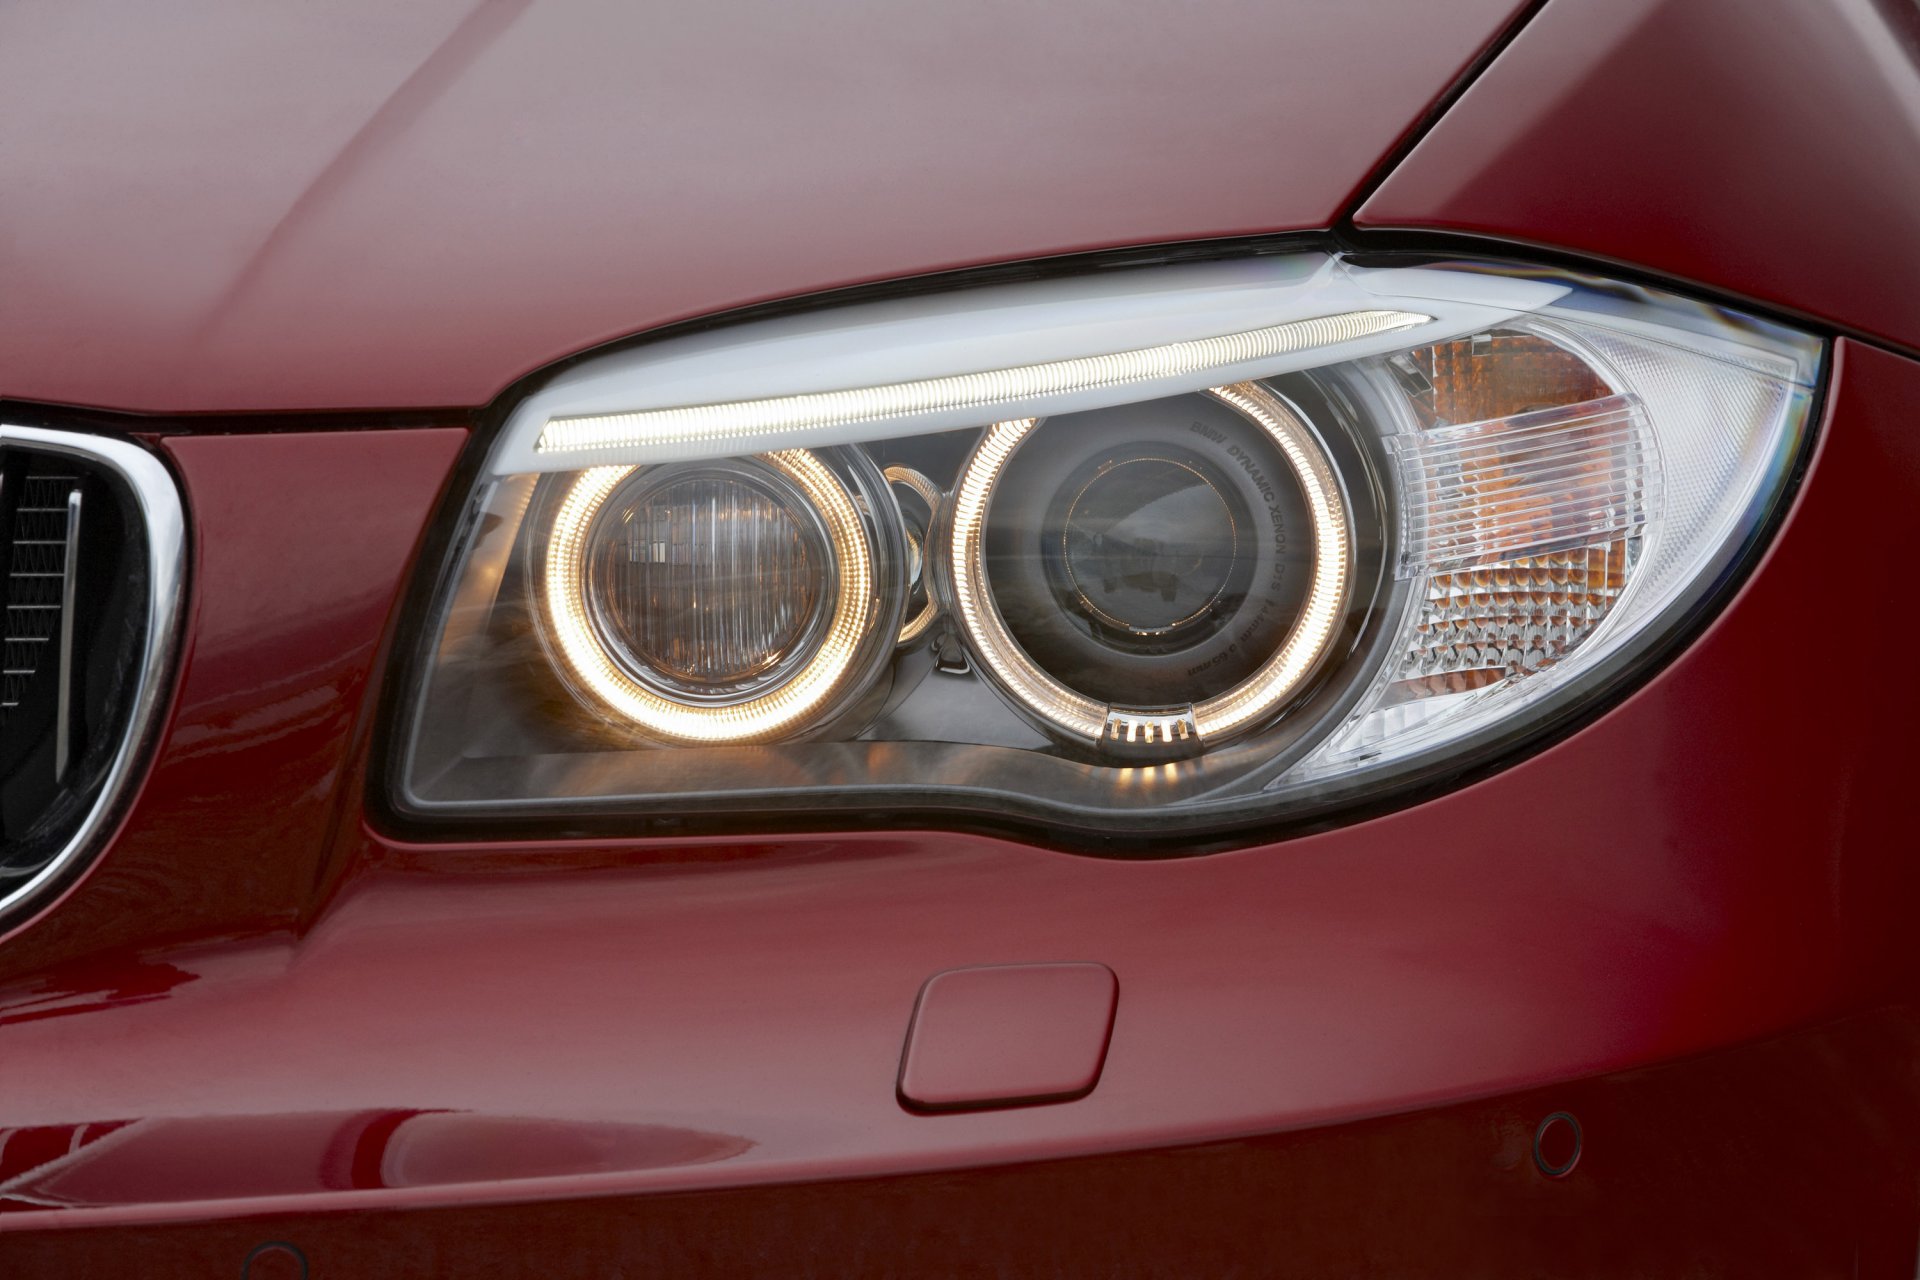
column 1165, row 549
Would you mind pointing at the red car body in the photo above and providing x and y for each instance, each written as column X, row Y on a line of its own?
column 308, row 257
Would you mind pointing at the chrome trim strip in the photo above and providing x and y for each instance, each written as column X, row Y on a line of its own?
column 69, row 580
column 158, row 499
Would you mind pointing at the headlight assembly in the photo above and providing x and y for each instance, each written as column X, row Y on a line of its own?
column 1166, row 549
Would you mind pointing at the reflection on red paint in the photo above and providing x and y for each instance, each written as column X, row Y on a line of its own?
column 211, row 1158
column 91, row 987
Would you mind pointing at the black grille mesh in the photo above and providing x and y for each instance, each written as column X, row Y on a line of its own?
column 92, row 552
column 73, row 586
column 36, row 572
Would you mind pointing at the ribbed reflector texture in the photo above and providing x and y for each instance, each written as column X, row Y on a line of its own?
column 710, row 581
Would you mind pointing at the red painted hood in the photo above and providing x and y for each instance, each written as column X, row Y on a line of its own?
column 212, row 205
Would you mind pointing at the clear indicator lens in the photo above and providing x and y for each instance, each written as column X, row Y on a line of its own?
column 1628, row 464
column 1501, row 375
column 1511, row 618
column 1523, row 530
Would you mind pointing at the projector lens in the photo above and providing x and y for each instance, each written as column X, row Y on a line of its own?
column 1153, row 570
column 1147, row 546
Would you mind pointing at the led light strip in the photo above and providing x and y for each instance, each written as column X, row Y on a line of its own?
column 786, row 415
column 1073, row 713
column 1218, row 717
column 1262, row 692
column 779, row 712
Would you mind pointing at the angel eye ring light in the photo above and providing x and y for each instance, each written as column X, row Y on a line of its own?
column 795, row 700
column 1157, row 730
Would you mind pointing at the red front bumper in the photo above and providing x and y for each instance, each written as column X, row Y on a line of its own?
column 1723, row 857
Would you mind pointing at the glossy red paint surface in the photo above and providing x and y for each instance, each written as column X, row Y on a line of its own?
column 1789, row 1158
column 1007, row 1035
column 227, row 207
column 263, row 1017
column 299, row 543
column 696, row 1014
column 1770, row 148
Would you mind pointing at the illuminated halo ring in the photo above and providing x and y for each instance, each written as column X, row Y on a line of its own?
column 929, row 493
column 782, row 711
column 1239, row 708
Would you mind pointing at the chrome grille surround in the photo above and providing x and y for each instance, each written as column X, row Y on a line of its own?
column 39, row 631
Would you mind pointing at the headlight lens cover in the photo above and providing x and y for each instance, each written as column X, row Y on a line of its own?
column 1175, row 548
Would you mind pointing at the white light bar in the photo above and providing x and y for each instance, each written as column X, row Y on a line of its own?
column 770, row 424
column 969, row 357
